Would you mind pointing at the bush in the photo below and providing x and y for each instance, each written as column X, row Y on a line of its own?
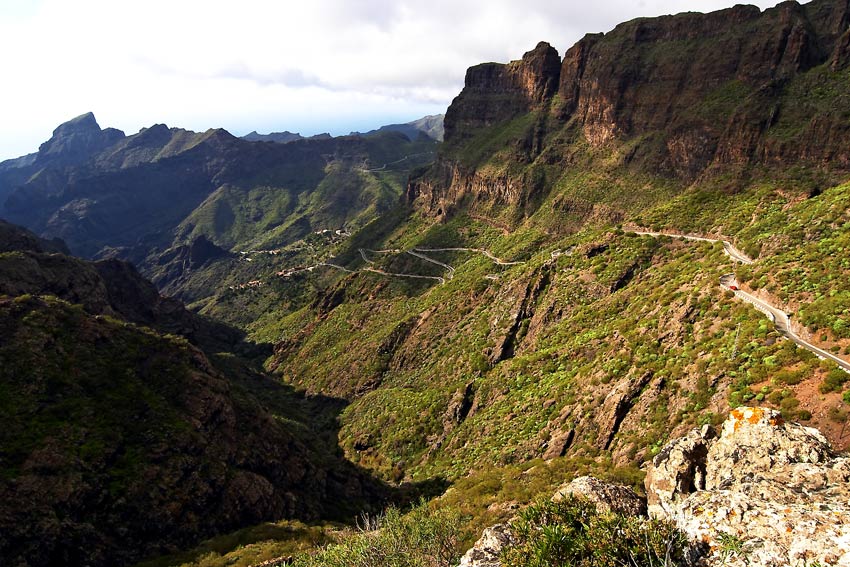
column 420, row 538
column 834, row 381
column 571, row 532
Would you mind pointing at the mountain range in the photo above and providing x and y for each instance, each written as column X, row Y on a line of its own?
column 565, row 283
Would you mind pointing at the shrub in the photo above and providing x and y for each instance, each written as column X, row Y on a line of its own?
column 420, row 538
column 572, row 532
column 834, row 381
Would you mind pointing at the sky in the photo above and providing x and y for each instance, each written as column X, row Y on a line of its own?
column 307, row 66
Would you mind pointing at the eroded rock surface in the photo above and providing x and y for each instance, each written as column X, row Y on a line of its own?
column 486, row 551
column 764, row 493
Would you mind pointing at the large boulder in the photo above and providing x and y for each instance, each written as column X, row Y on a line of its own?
column 762, row 493
column 608, row 497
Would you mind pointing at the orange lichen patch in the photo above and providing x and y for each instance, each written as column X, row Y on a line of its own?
column 756, row 415
column 738, row 416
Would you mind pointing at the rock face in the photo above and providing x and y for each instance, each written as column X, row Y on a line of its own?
column 762, row 493
column 684, row 96
column 494, row 92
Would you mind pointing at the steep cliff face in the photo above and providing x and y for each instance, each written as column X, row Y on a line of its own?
column 664, row 74
column 681, row 97
column 494, row 92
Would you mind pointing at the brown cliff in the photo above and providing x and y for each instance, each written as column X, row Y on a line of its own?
column 494, row 92
column 683, row 97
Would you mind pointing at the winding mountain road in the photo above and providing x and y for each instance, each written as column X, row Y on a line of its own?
column 478, row 250
column 416, row 252
column 780, row 318
column 450, row 271
column 384, row 167
column 728, row 247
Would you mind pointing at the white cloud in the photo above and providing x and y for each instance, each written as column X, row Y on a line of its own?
column 313, row 65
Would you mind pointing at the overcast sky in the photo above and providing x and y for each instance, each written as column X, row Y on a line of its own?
column 306, row 66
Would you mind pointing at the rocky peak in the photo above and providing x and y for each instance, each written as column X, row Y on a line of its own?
column 538, row 72
column 82, row 124
column 76, row 141
column 494, row 92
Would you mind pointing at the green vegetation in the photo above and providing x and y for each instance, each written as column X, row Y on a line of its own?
column 304, row 194
column 573, row 532
column 585, row 352
column 249, row 546
column 420, row 538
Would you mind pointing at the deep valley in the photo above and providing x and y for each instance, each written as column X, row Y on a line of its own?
column 223, row 351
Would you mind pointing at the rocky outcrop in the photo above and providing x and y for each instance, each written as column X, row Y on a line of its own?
column 761, row 493
column 608, row 497
column 486, row 551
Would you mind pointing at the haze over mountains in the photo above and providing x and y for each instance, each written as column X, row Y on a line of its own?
column 377, row 316
column 85, row 183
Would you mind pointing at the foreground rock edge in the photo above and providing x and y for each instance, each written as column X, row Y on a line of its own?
column 761, row 492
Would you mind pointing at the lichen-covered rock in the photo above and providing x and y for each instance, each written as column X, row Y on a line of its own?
column 677, row 470
column 608, row 497
column 486, row 551
column 764, row 493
